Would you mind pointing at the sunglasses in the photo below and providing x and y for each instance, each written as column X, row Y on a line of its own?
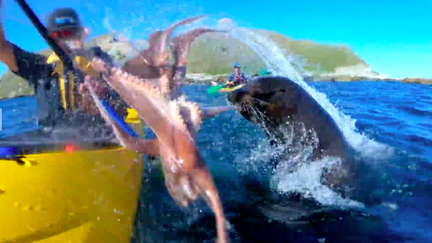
column 65, row 34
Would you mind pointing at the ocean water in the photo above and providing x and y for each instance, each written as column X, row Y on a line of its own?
column 18, row 116
column 263, row 202
column 396, row 117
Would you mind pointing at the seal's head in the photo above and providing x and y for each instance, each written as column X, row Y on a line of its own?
column 269, row 97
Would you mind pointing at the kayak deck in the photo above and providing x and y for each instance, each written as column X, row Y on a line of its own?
column 70, row 196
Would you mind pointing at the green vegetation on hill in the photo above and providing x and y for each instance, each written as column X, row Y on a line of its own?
column 329, row 57
column 13, row 86
column 215, row 53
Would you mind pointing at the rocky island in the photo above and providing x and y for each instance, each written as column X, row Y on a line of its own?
column 212, row 55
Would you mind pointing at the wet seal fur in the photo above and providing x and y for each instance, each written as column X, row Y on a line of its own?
column 273, row 101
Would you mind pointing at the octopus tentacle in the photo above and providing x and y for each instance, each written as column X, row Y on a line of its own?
column 194, row 114
column 213, row 111
column 180, row 46
column 153, row 90
column 150, row 147
column 160, row 115
column 153, row 62
column 158, row 42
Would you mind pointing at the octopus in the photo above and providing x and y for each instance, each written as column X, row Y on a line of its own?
column 151, row 86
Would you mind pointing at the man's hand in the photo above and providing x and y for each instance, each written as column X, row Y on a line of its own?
column 102, row 90
column 85, row 101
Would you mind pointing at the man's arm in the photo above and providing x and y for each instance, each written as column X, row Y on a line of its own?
column 230, row 78
column 6, row 51
column 102, row 55
column 23, row 63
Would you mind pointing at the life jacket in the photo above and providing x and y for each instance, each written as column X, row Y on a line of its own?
column 82, row 63
column 238, row 79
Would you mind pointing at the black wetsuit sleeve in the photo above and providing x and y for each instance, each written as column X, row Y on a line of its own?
column 102, row 55
column 31, row 66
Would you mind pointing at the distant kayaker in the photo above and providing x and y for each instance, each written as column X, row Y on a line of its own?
column 237, row 77
column 46, row 75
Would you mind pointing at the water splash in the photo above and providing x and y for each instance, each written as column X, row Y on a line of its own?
column 298, row 173
column 306, row 180
column 296, row 170
column 285, row 64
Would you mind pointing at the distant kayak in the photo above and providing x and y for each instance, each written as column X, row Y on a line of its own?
column 229, row 89
column 223, row 89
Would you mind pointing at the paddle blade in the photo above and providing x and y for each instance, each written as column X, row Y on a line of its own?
column 214, row 89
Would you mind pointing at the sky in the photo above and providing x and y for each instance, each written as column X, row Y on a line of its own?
column 393, row 37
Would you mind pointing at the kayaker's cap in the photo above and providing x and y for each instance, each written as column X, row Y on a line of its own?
column 63, row 22
column 236, row 65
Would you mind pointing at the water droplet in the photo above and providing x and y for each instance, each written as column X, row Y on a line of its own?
column 27, row 207
column 117, row 211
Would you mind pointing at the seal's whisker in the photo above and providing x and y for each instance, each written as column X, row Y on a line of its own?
column 261, row 101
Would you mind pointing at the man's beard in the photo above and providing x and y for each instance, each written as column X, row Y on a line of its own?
column 73, row 44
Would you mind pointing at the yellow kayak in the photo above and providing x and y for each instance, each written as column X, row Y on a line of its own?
column 230, row 89
column 71, row 196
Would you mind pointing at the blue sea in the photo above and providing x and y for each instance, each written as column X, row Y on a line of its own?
column 389, row 124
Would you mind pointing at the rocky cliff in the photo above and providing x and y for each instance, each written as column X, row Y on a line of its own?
column 212, row 55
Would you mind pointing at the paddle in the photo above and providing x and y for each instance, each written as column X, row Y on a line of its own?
column 69, row 65
column 214, row 89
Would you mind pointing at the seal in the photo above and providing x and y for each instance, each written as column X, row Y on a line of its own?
column 274, row 102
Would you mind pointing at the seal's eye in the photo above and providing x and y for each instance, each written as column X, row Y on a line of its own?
column 274, row 96
column 268, row 95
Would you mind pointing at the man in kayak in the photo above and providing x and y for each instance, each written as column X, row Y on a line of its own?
column 46, row 75
column 237, row 77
